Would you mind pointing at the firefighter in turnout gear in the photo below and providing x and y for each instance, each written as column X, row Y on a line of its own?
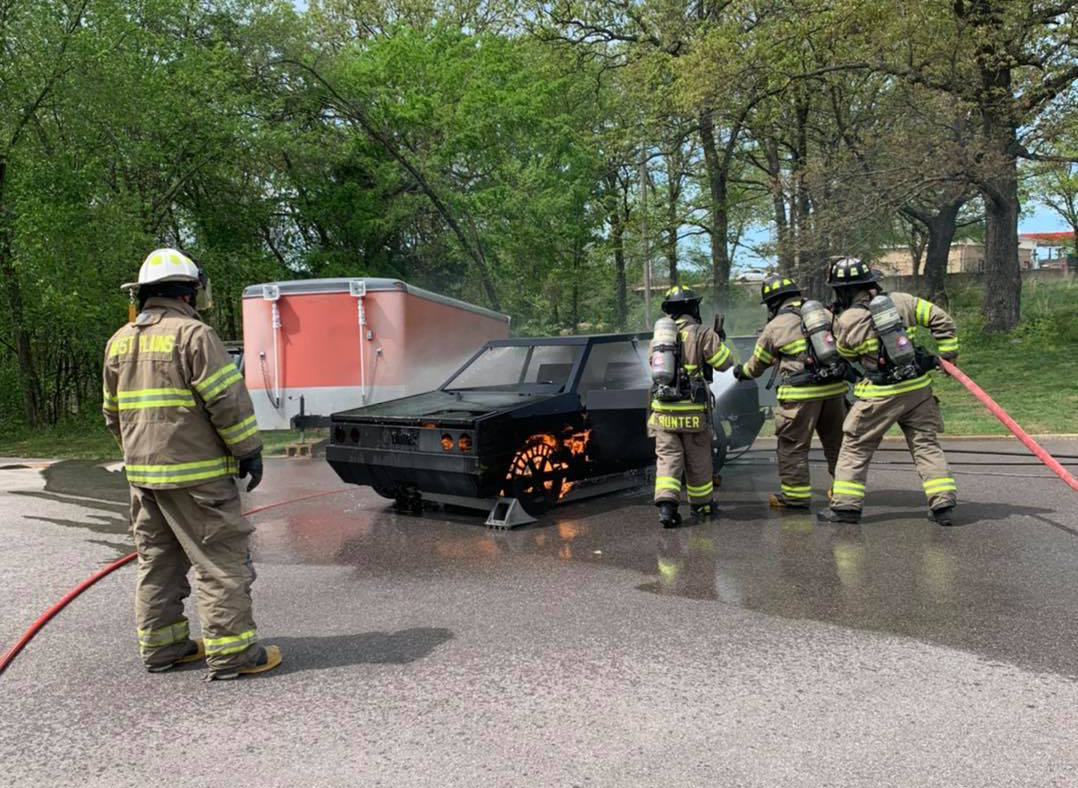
column 182, row 415
column 877, row 330
column 680, row 412
column 812, row 390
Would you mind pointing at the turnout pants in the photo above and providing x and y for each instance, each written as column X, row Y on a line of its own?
column 917, row 414
column 200, row 527
column 795, row 422
column 687, row 453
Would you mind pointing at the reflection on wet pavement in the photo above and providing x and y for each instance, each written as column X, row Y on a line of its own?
column 893, row 573
column 1000, row 585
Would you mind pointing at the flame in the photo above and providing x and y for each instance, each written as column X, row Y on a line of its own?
column 560, row 450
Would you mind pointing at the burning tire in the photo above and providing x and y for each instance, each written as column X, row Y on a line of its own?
column 536, row 475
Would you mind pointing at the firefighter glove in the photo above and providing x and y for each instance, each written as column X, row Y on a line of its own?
column 739, row 373
column 952, row 357
column 251, row 464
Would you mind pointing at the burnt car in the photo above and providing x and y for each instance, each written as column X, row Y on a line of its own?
column 536, row 420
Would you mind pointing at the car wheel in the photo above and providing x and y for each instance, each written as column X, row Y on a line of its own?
column 536, row 475
column 720, row 445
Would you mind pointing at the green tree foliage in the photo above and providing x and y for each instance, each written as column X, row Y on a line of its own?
column 529, row 157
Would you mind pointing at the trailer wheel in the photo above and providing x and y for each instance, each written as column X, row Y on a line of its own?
column 536, row 475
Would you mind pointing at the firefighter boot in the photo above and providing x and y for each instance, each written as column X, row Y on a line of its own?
column 942, row 515
column 268, row 659
column 832, row 515
column 196, row 650
column 668, row 514
column 701, row 512
column 780, row 501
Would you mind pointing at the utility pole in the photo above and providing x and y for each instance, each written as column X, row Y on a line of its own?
column 647, row 240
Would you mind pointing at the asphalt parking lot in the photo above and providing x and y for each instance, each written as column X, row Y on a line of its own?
column 593, row 648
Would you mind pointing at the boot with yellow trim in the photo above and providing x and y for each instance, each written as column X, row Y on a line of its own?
column 702, row 512
column 668, row 514
column 196, row 650
column 780, row 501
column 833, row 515
column 269, row 657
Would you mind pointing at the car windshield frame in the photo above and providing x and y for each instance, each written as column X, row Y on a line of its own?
column 579, row 350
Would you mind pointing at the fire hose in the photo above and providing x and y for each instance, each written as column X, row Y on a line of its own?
column 9, row 657
column 1052, row 463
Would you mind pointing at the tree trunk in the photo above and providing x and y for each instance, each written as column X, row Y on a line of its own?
column 778, row 206
column 716, row 169
column 941, row 229
column 1002, row 273
column 26, row 369
column 617, row 238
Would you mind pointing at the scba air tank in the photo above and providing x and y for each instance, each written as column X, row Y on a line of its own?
column 892, row 330
column 817, row 325
column 664, row 352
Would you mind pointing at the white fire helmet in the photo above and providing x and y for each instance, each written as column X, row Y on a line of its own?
column 169, row 265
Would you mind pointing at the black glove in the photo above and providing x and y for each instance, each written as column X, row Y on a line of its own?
column 251, row 464
column 952, row 357
column 739, row 373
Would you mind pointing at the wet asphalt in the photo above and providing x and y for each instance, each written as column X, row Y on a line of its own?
column 593, row 648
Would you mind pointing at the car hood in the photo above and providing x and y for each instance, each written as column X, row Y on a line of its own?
column 442, row 407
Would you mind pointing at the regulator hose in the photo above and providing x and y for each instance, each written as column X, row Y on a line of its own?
column 1052, row 463
column 13, row 652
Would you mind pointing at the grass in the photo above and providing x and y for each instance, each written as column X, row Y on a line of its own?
column 79, row 439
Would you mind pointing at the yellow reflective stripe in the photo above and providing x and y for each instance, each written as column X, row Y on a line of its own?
column 166, row 636
column 242, row 436
column 239, row 432
column 204, row 385
column 804, row 393
column 947, row 345
column 797, row 491
column 868, row 390
column 922, row 311
column 943, row 484
column 720, row 356
column 795, row 347
column 157, row 403
column 138, row 399
column 232, row 644
column 690, row 367
column 870, row 345
column 847, row 353
column 108, row 401
column 676, row 407
column 700, row 492
column 136, row 394
column 181, row 472
column 852, row 489
column 211, row 394
column 763, row 355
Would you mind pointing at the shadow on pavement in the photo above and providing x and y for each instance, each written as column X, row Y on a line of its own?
column 367, row 648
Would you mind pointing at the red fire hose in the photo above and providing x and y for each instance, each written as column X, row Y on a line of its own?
column 9, row 657
column 1009, row 423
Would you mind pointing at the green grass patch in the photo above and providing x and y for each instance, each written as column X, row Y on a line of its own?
column 79, row 439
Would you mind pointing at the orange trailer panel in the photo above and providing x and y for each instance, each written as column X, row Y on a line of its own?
column 318, row 346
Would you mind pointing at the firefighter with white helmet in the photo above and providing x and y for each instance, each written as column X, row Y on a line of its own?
column 179, row 408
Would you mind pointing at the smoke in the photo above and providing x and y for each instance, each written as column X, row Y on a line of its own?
column 722, row 383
